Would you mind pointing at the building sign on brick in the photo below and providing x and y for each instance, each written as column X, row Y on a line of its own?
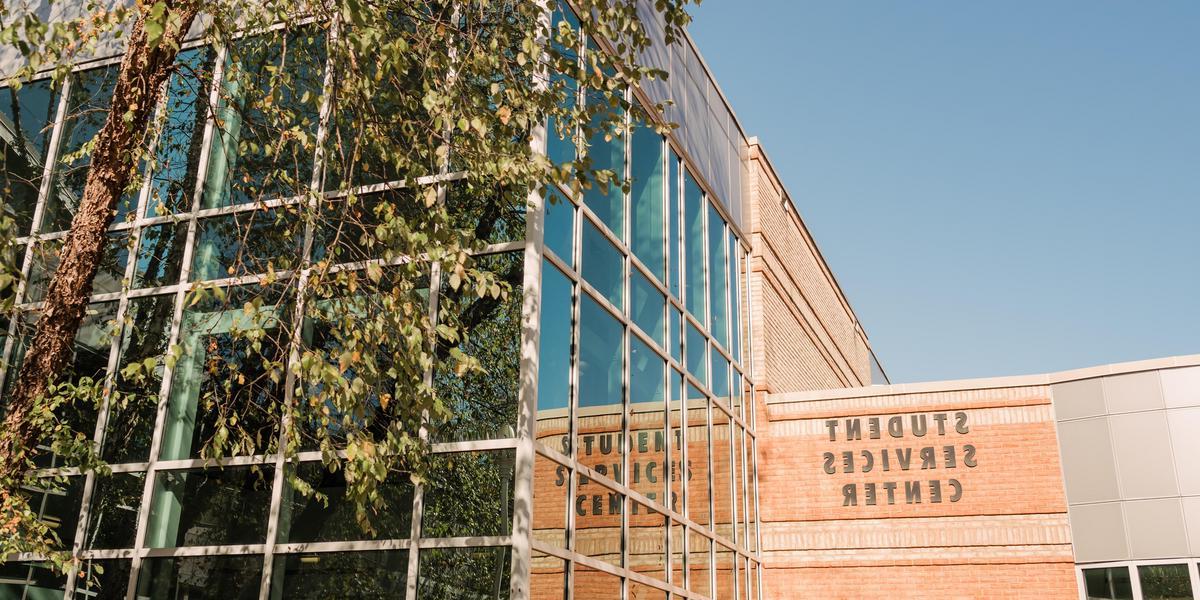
column 913, row 458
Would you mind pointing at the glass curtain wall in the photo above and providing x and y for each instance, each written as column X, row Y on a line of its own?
column 167, row 523
column 644, row 480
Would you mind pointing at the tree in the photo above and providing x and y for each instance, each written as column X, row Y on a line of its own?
column 372, row 150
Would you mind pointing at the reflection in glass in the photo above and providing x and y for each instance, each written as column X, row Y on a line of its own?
column 606, row 199
column 491, row 215
column 699, row 492
column 555, row 346
column 646, row 199
column 87, row 109
column 600, row 352
column 375, row 574
column 57, row 504
column 598, row 521
column 112, row 518
column 735, row 292
column 725, row 571
column 1165, row 582
column 697, row 353
column 36, row 579
column 693, row 250
column 131, row 415
column 699, row 563
column 484, row 405
column 603, row 265
column 600, row 584
column 469, row 494
column 203, row 394
column 177, row 150
column 647, row 437
column 647, row 541
column 720, row 377
column 647, row 306
column 674, row 225
column 560, row 225
column 551, row 487
column 676, row 435
column 722, row 473
column 717, row 286
column 200, row 578
column 310, row 519
column 252, row 158
column 109, row 585
column 454, row 573
column 209, row 507
column 547, row 577
column 245, row 243
column 674, row 334
column 26, row 119
column 1110, row 583
column 160, row 255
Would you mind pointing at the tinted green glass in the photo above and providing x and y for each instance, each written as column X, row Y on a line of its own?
column 560, row 226
column 693, row 252
column 647, row 306
column 492, row 215
column 603, row 265
column 1165, row 582
column 600, row 351
column 675, row 334
column 245, row 243
column 469, row 494
column 1108, row 584
column 109, row 275
column 160, row 255
column 606, row 199
column 211, row 507
column 318, row 576
column 735, row 293
column 717, row 286
column 674, row 225
column 145, row 337
column 107, row 585
column 646, row 199
column 554, row 365
column 26, row 116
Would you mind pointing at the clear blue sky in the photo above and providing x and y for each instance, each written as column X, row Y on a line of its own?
column 1000, row 187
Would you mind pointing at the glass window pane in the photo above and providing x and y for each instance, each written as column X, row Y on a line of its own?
column 699, row 487
column 376, row 574
column 547, row 577
column 551, row 486
column 677, row 473
column 1108, row 584
column 160, row 255
column 603, row 265
column 491, row 215
column 600, row 352
column 674, row 224
column 200, row 578
column 57, row 504
column 203, row 395
column 647, row 420
column 646, row 223
column 725, row 571
column 560, row 142
column 647, row 306
column 483, row 405
column 606, row 199
column 146, row 336
column 599, row 584
column 253, row 157
column 722, row 473
column 598, row 521
column 108, row 278
column 560, row 225
column 693, row 251
column 177, row 150
column 245, row 243
column 554, row 364
column 87, row 109
column 647, row 541
column 26, row 119
column 719, row 318
column 720, row 376
column 675, row 335
column 113, row 516
column 309, row 519
column 210, row 507
column 450, row 573
column 697, row 353
column 646, row 368
column 37, row 579
column 109, row 585
column 735, row 304
column 1165, row 582
column 699, row 563
column 469, row 494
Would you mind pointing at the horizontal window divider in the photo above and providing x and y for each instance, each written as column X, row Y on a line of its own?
column 562, row 266
column 107, row 554
column 602, row 301
column 206, row 463
column 238, row 550
column 637, row 263
column 475, row 445
column 652, row 582
column 349, row 546
column 552, row 454
column 484, row 541
column 603, row 229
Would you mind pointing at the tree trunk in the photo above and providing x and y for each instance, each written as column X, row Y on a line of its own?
column 144, row 70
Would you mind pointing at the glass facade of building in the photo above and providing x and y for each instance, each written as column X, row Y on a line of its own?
column 641, row 480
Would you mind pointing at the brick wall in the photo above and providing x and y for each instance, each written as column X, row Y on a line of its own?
column 993, row 526
column 806, row 336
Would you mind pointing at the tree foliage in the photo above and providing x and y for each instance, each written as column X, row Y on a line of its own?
column 375, row 151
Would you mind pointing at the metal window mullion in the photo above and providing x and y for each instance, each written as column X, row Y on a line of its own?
column 176, row 321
